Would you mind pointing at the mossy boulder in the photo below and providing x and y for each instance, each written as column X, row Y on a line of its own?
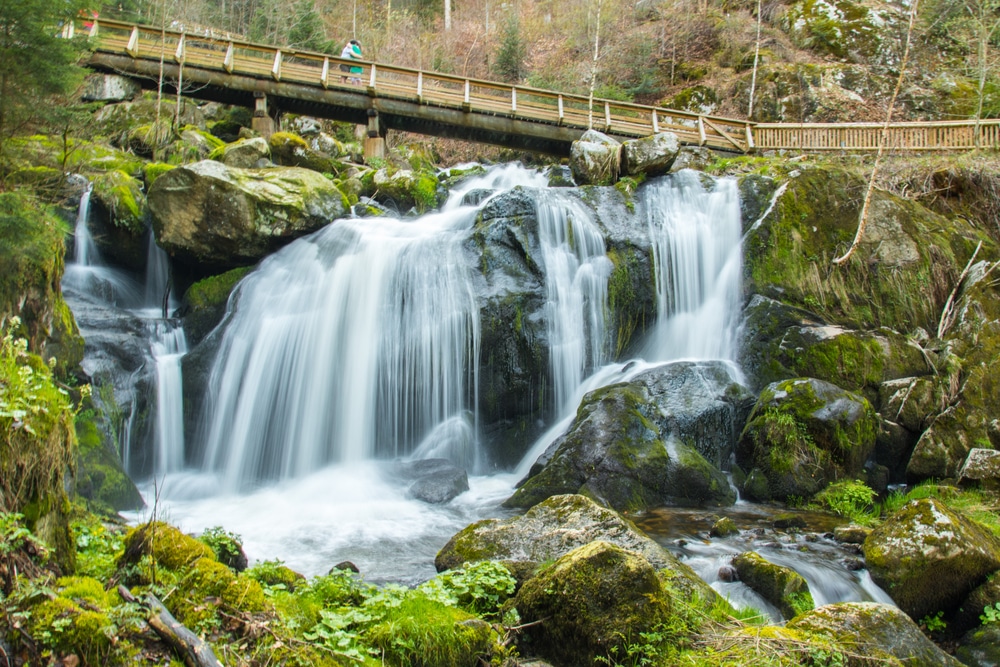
column 981, row 467
column 218, row 217
column 928, row 558
column 204, row 303
column 32, row 255
column 167, row 545
column 980, row 647
column 595, row 159
column 781, row 586
column 420, row 632
column 75, row 621
column 243, row 154
column 208, row 584
column 591, row 602
column 841, row 28
column 153, row 170
column 100, row 476
column 291, row 150
column 985, row 595
column 630, row 445
column 122, row 198
column 900, row 276
column 650, row 156
column 874, row 630
column 803, row 434
column 782, row 342
column 552, row 529
column 407, row 189
column 116, row 120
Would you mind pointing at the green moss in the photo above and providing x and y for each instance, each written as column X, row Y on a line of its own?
column 100, row 475
column 423, row 633
column 154, row 170
column 209, row 580
column 170, row 547
column 215, row 290
column 122, row 195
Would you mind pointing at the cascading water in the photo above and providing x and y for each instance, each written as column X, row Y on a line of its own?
column 576, row 283
column 168, row 346
column 695, row 233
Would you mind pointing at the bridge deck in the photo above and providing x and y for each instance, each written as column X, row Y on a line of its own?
column 234, row 71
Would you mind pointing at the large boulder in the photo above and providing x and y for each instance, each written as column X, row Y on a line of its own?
column 651, row 156
column 243, row 154
column 591, row 602
column 781, row 586
column 434, row 481
column 210, row 214
column 875, row 630
column 783, row 342
column 407, row 189
column 982, row 466
column 644, row 443
column 552, row 529
column 928, row 557
column 109, row 88
column 803, row 434
column 595, row 159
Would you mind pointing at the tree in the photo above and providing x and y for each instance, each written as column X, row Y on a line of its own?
column 35, row 62
column 509, row 64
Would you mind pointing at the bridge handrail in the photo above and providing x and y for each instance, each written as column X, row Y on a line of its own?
column 624, row 118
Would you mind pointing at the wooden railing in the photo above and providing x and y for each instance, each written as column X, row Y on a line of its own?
column 476, row 96
column 621, row 119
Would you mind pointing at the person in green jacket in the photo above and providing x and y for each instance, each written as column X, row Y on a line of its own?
column 351, row 50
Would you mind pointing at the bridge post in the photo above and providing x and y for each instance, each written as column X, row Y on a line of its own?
column 375, row 137
column 262, row 122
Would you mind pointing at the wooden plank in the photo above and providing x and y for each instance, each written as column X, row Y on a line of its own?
column 724, row 134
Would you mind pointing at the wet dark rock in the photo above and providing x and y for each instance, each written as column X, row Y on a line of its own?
column 851, row 534
column 854, row 564
column 788, row 522
column 345, row 565
column 728, row 573
column 435, row 481
column 476, row 197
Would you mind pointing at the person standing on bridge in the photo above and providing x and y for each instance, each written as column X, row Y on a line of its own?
column 352, row 50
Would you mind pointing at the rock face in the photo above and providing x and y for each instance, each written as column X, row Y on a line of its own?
column 244, row 154
column 222, row 217
column 590, row 602
column 803, row 434
column 643, row 443
column 595, row 159
column 928, row 558
column 651, row 156
column 781, row 586
column 876, row 630
column 981, row 465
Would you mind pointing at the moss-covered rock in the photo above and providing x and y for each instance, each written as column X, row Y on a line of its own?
column 781, row 586
column 204, row 303
column 424, row 633
column 630, row 445
column 154, row 170
column 969, row 613
column 841, row 28
column 593, row 601
column 32, row 253
column 980, row 647
column 220, row 217
column 650, row 155
column 243, row 154
column 899, row 277
column 76, row 621
column 928, row 558
column 100, row 476
column 167, row 545
column 122, row 198
column 875, row 630
column 291, row 150
column 407, row 188
column 803, row 434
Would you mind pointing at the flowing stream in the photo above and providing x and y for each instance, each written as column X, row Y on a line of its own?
column 360, row 344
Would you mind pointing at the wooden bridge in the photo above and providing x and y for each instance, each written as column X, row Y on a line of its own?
column 272, row 79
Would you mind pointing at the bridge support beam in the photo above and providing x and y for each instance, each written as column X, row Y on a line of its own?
column 262, row 122
column 375, row 137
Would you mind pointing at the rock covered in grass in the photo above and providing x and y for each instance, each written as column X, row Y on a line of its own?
column 874, row 630
column 592, row 601
column 928, row 557
column 781, row 586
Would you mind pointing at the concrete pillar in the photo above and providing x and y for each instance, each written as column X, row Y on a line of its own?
column 375, row 137
column 262, row 122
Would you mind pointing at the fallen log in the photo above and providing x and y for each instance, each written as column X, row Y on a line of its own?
column 188, row 645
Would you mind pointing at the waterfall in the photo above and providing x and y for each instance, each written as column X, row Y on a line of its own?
column 168, row 346
column 576, row 283
column 157, row 275
column 695, row 232
column 84, row 247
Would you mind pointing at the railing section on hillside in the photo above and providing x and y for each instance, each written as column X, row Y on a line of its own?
column 622, row 119
column 431, row 88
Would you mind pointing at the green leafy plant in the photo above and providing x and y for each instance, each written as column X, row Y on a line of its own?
column 850, row 499
column 934, row 623
column 224, row 544
column 991, row 614
column 479, row 588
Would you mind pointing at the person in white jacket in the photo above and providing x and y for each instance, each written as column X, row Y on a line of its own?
column 351, row 50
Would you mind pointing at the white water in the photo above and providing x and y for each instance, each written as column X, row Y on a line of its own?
column 576, row 283
column 169, row 345
column 356, row 342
